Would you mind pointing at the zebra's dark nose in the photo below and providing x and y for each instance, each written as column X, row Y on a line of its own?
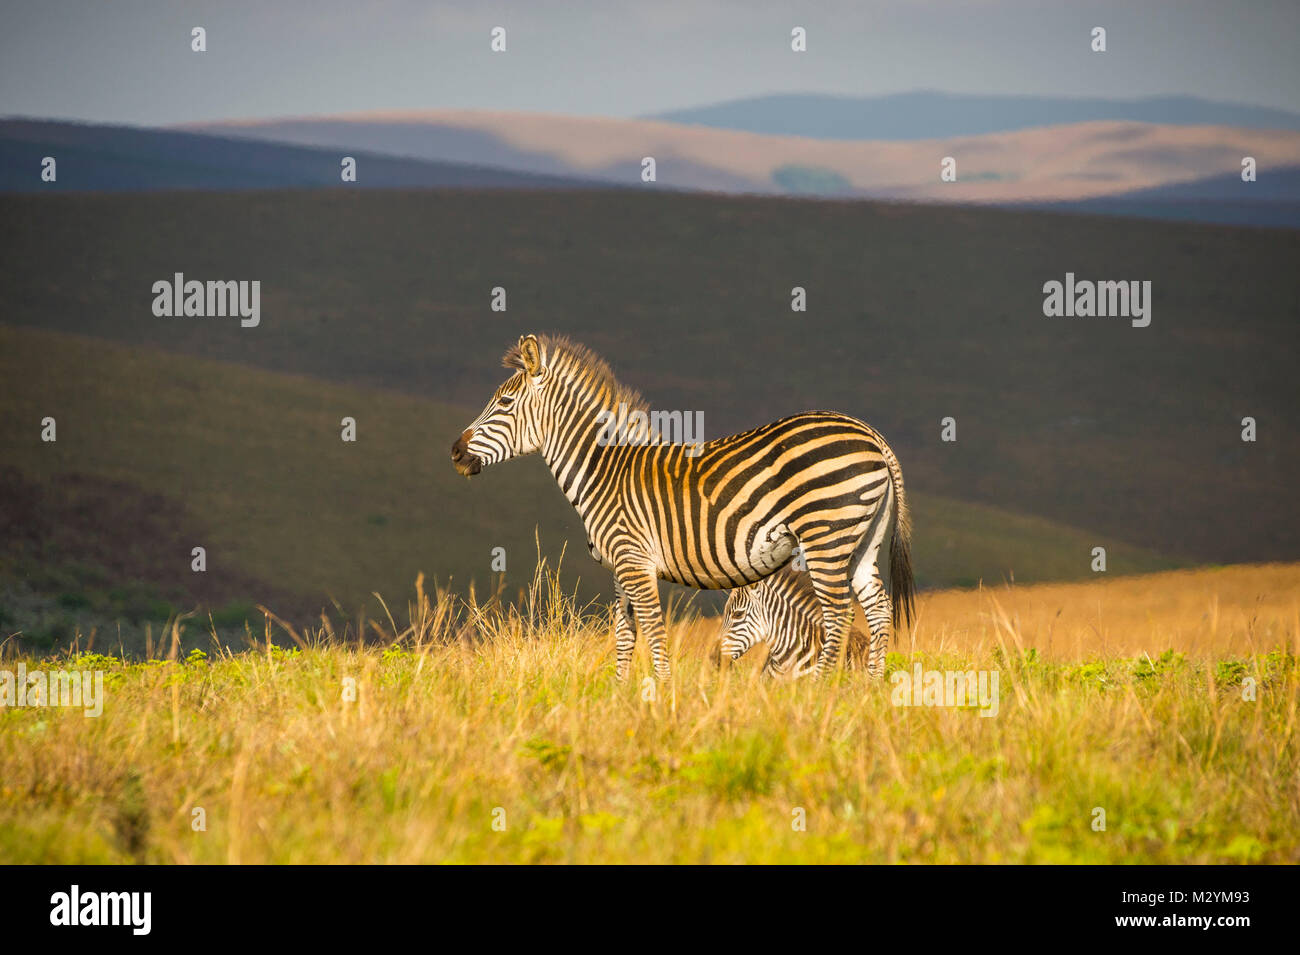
column 461, row 458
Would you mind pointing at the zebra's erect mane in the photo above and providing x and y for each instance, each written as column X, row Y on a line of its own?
column 578, row 364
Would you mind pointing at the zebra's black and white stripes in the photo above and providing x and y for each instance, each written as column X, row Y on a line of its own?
column 782, row 610
column 717, row 516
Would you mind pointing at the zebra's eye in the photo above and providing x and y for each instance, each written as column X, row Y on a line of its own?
column 505, row 401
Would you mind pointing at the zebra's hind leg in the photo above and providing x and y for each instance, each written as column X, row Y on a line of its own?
column 870, row 590
column 876, row 604
column 624, row 632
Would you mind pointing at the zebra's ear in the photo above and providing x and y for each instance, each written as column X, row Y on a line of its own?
column 531, row 353
column 525, row 356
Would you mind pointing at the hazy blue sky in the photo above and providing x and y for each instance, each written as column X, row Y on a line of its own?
column 130, row 60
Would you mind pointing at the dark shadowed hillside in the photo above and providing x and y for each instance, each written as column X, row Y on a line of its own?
column 1271, row 200
column 158, row 453
column 103, row 158
column 1126, row 435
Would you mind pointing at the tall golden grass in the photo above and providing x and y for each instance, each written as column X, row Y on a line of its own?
column 484, row 732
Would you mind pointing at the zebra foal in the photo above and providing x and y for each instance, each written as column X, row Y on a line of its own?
column 782, row 610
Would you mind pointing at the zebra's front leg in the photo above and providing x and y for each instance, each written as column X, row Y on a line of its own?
column 642, row 589
column 624, row 633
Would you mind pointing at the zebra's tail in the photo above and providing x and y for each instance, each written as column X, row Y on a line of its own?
column 902, row 585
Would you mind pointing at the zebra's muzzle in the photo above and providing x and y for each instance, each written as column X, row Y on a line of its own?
column 465, row 463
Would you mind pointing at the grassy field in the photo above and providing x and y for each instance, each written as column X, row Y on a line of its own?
column 1124, row 695
column 159, row 452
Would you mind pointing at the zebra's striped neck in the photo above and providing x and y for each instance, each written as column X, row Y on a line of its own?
column 588, row 414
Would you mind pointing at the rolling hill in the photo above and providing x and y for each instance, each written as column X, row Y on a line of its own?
column 1071, row 434
column 157, row 453
column 1272, row 200
column 96, row 157
column 914, row 314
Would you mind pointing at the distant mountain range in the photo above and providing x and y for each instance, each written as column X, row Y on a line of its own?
column 1103, row 167
column 1046, row 164
column 928, row 114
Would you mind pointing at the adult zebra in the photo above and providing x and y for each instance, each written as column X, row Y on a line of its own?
column 715, row 516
